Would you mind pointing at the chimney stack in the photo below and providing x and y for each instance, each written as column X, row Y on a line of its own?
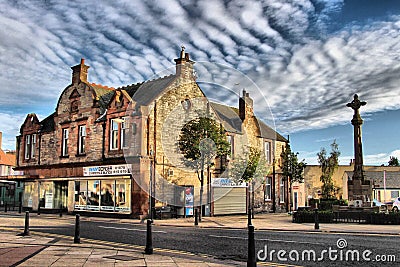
column 245, row 106
column 184, row 66
column 80, row 72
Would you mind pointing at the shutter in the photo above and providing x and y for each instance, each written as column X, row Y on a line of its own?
column 229, row 200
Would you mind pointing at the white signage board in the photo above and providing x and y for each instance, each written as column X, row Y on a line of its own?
column 48, row 201
column 106, row 170
column 225, row 182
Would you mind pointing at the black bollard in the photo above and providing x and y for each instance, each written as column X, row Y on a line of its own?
column 20, row 207
column 196, row 217
column 38, row 210
column 316, row 219
column 77, row 237
column 251, row 249
column 5, row 207
column 149, row 239
column 60, row 210
column 26, row 229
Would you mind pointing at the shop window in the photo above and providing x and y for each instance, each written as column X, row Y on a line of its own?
column 81, row 139
column 268, row 188
column 81, row 198
column 64, row 144
column 107, row 195
column 46, row 195
column 93, row 201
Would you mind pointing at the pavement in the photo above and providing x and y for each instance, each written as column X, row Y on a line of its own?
column 39, row 249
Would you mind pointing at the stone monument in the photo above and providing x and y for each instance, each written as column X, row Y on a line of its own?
column 358, row 187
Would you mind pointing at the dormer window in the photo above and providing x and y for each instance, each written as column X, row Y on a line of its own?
column 118, row 134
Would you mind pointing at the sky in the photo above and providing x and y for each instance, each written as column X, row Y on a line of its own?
column 307, row 57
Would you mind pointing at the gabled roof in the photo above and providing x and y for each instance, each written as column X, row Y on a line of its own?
column 228, row 117
column 392, row 178
column 151, row 90
column 131, row 89
column 6, row 159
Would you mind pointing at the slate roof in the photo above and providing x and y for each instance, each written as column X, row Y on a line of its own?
column 47, row 124
column 268, row 132
column 228, row 116
column 392, row 178
column 101, row 90
column 150, row 90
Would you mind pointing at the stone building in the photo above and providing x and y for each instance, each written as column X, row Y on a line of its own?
column 311, row 188
column 104, row 149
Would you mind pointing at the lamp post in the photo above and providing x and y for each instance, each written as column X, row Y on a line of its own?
column 149, row 238
column 251, row 248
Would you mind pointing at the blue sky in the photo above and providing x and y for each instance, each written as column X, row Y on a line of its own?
column 307, row 57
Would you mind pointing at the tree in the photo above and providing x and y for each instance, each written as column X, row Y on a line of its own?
column 292, row 169
column 200, row 141
column 249, row 167
column 328, row 166
column 393, row 161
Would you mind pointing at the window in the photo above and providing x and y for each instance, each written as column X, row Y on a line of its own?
column 64, row 148
column 118, row 134
column 124, row 130
column 282, row 191
column 27, row 146
column 33, row 147
column 114, row 135
column 394, row 194
column 267, row 150
column 268, row 188
column 81, row 139
column 230, row 141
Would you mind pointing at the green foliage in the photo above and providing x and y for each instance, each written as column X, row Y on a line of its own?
column 291, row 167
column 308, row 216
column 393, row 161
column 328, row 166
column 249, row 166
column 200, row 141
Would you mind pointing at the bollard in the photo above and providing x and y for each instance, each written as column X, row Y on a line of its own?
column 196, row 217
column 20, row 207
column 5, row 207
column 38, row 210
column 149, row 239
column 60, row 210
column 251, row 248
column 26, row 229
column 77, row 237
column 316, row 219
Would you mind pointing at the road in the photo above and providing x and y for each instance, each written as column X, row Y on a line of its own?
column 288, row 247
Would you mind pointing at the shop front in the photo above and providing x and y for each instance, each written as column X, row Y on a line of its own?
column 228, row 197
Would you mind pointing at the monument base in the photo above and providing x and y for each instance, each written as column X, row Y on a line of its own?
column 360, row 192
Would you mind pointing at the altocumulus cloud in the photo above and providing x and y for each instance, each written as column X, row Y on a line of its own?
column 306, row 69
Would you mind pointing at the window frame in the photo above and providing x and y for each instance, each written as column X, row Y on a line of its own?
column 267, row 152
column 268, row 188
column 282, row 192
column 64, row 142
column 28, row 147
column 81, row 139
column 114, row 134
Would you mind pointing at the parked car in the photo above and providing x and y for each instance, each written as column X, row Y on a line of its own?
column 396, row 205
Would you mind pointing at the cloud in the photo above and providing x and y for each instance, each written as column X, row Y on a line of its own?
column 306, row 64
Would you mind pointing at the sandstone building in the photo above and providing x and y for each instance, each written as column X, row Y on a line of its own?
column 104, row 149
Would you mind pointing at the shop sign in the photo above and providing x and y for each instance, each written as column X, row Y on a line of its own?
column 106, row 170
column 189, row 200
column 225, row 182
column 48, row 204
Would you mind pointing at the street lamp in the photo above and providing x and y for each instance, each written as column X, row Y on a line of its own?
column 149, row 238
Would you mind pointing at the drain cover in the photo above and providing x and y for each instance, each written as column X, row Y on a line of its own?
column 122, row 257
